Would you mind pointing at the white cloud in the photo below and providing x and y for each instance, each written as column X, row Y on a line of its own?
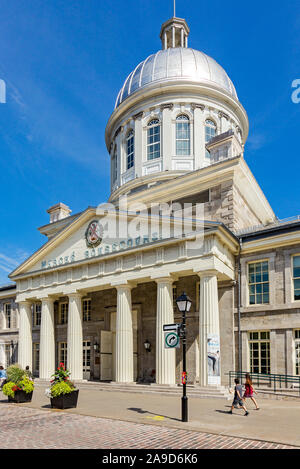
column 257, row 141
column 8, row 264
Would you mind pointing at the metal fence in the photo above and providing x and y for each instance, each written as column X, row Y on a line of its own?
column 274, row 381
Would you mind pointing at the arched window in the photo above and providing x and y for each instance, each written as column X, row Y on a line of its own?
column 130, row 149
column 153, row 139
column 210, row 132
column 114, row 166
column 183, row 141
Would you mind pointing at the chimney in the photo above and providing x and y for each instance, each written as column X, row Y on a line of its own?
column 58, row 212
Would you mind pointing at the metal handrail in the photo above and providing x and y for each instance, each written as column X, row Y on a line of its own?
column 271, row 378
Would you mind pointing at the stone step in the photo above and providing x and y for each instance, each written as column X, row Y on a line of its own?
column 192, row 390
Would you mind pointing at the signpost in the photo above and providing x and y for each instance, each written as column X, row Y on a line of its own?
column 172, row 340
column 171, row 327
column 173, row 334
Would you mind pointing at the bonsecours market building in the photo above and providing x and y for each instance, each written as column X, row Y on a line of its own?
column 98, row 301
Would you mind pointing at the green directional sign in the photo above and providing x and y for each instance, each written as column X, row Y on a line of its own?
column 172, row 340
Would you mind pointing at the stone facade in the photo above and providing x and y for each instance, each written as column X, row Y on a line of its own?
column 281, row 316
column 103, row 300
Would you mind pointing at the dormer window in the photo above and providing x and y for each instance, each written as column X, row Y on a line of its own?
column 153, row 139
column 130, row 149
column 183, row 141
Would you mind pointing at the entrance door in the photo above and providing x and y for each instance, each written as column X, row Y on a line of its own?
column 106, row 347
column 86, row 353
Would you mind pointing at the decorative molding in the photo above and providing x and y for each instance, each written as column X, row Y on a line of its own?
column 138, row 115
column 117, row 132
column 167, row 106
column 160, row 256
column 222, row 114
column 197, row 106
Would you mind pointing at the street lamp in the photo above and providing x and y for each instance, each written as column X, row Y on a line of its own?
column 96, row 347
column 147, row 345
column 184, row 305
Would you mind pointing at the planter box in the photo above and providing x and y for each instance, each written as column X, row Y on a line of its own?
column 21, row 396
column 65, row 401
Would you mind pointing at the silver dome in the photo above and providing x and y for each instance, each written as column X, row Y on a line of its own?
column 176, row 64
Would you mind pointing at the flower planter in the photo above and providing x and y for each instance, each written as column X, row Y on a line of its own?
column 65, row 401
column 20, row 396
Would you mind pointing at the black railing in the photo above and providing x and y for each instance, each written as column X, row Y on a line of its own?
column 274, row 381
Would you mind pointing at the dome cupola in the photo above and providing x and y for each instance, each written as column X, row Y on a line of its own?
column 176, row 62
column 167, row 110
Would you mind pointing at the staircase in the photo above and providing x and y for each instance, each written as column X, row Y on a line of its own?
column 166, row 390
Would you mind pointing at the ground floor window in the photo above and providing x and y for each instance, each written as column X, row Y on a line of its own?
column 37, row 314
column 7, row 309
column 259, row 346
column 86, row 310
column 86, row 349
column 63, row 353
column 8, row 354
column 297, row 351
column 63, row 313
column 36, row 357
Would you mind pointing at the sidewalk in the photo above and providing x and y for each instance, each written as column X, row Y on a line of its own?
column 276, row 421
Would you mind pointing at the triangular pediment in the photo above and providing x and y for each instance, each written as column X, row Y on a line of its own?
column 64, row 248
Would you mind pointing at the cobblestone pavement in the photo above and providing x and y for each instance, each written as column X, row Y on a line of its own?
column 26, row 428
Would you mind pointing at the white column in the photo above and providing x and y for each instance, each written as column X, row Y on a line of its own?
column 25, row 335
column 2, row 355
column 138, row 146
column 198, row 137
column 208, row 319
column 165, row 358
column 167, row 139
column 47, row 339
column 124, row 335
column 75, row 356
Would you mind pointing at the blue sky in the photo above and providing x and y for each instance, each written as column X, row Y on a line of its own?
column 63, row 63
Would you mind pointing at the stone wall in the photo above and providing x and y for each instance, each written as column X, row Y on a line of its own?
column 281, row 316
column 229, row 207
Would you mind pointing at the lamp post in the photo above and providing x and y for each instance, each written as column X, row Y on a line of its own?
column 184, row 304
column 147, row 345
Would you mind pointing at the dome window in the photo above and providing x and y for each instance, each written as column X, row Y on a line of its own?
column 153, row 139
column 210, row 132
column 130, row 149
column 183, row 140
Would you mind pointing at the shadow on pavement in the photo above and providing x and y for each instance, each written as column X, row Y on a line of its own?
column 141, row 411
column 227, row 413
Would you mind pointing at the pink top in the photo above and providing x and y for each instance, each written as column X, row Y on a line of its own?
column 248, row 391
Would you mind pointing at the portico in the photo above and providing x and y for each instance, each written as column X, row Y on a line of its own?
column 139, row 278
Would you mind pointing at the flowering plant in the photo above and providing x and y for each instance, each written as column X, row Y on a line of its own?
column 60, row 384
column 21, row 382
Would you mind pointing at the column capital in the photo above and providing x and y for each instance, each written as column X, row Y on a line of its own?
column 123, row 285
column 75, row 295
column 47, row 299
column 166, row 279
column 207, row 273
column 25, row 302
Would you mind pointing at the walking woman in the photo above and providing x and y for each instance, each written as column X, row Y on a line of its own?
column 249, row 390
